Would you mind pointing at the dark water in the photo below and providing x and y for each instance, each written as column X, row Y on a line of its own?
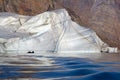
column 57, row 68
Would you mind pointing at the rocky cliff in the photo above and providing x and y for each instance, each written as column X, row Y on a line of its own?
column 103, row 16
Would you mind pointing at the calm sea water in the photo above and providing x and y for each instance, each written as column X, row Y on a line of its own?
column 34, row 67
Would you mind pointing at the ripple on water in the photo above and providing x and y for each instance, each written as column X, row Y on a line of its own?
column 58, row 74
column 103, row 76
column 64, row 69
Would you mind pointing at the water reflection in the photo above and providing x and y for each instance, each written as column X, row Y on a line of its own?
column 59, row 68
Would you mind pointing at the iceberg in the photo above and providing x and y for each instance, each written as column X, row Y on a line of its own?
column 51, row 31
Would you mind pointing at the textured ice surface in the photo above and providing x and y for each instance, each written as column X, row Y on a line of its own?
column 52, row 31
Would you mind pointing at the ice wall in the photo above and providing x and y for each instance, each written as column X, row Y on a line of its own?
column 52, row 31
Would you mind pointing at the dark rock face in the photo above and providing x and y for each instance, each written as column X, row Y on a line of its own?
column 25, row 7
column 103, row 16
column 105, row 21
column 78, row 9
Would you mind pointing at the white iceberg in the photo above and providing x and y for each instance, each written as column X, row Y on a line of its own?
column 51, row 31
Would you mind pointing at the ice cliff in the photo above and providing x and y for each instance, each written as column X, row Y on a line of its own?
column 51, row 31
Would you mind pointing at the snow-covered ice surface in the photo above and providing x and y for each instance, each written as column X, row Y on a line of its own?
column 51, row 31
